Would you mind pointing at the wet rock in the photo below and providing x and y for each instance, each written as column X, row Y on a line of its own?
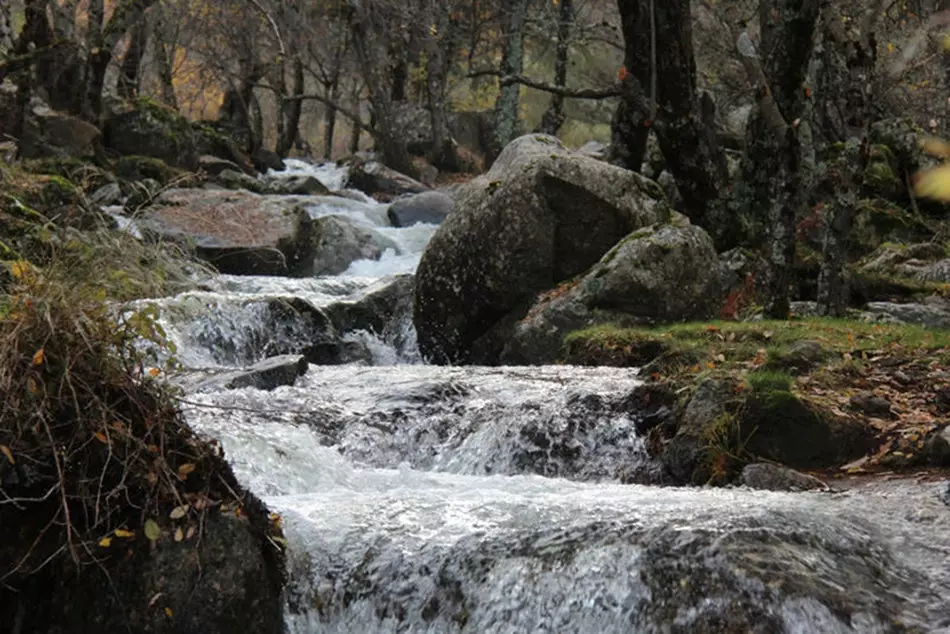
column 541, row 215
column 213, row 165
column 773, row 477
column 380, row 309
column 234, row 179
column 631, row 284
column 340, row 240
column 296, row 185
column 147, row 128
column 266, row 375
column 375, row 179
column 107, row 195
column 872, row 405
column 239, row 232
column 428, row 207
column 937, row 448
column 264, row 160
column 684, row 455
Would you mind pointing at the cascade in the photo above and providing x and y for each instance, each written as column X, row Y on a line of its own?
column 418, row 498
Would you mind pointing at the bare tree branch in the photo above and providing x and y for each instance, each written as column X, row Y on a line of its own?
column 571, row 93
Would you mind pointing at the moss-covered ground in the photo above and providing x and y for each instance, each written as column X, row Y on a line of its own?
column 891, row 379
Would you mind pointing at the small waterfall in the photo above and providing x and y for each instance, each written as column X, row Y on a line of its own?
column 421, row 499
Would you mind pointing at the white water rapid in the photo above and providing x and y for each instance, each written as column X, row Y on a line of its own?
column 423, row 499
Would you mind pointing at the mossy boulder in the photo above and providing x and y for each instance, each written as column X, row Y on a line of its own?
column 878, row 221
column 540, row 216
column 146, row 128
column 84, row 174
column 212, row 139
column 727, row 424
column 139, row 168
column 663, row 273
column 35, row 209
column 783, row 428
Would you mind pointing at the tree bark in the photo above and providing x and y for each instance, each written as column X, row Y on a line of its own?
column 6, row 29
column 163, row 59
column 512, row 63
column 630, row 128
column 553, row 117
column 688, row 145
column 129, row 70
column 389, row 140
column 290, row 110
column 440, row 47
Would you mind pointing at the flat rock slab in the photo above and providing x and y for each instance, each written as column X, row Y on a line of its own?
column 239, row 232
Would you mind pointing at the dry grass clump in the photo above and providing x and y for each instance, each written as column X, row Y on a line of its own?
column 96, row 460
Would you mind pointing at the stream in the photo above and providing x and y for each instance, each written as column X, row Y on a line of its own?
column 420, row 498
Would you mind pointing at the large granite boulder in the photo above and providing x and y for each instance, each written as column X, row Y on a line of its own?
column 241, row 233
column 541, row 215
column 147, row 128
column 660, row 274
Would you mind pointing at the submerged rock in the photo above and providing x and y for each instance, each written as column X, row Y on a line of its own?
column 541, row 215
column 266, row 375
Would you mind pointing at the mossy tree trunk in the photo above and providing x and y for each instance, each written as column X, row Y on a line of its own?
column 773, row 192
column 6, row 29
column 688, row 144
column 512, row 64
column 132, row 61
column 553, row 117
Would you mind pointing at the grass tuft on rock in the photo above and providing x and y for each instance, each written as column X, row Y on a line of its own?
column 97, row 464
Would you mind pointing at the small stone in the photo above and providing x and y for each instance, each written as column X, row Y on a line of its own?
column 773, row 477
column 872, row 405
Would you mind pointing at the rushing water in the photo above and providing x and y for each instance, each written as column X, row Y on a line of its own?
column 431, row 499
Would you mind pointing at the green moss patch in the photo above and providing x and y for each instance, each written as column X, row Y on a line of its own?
column 796, row 382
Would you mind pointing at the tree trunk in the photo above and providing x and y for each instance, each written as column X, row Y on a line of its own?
column 125, row 16
column 439, row 48
column 164, row 60
column 630, row 128
column 389, row 139
column 36, row 34
column 290, row 110
column 132, row 62
column 6, row 29
column 333, row 91
column 688, row 146
column 512, row 63
column 553, row 117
